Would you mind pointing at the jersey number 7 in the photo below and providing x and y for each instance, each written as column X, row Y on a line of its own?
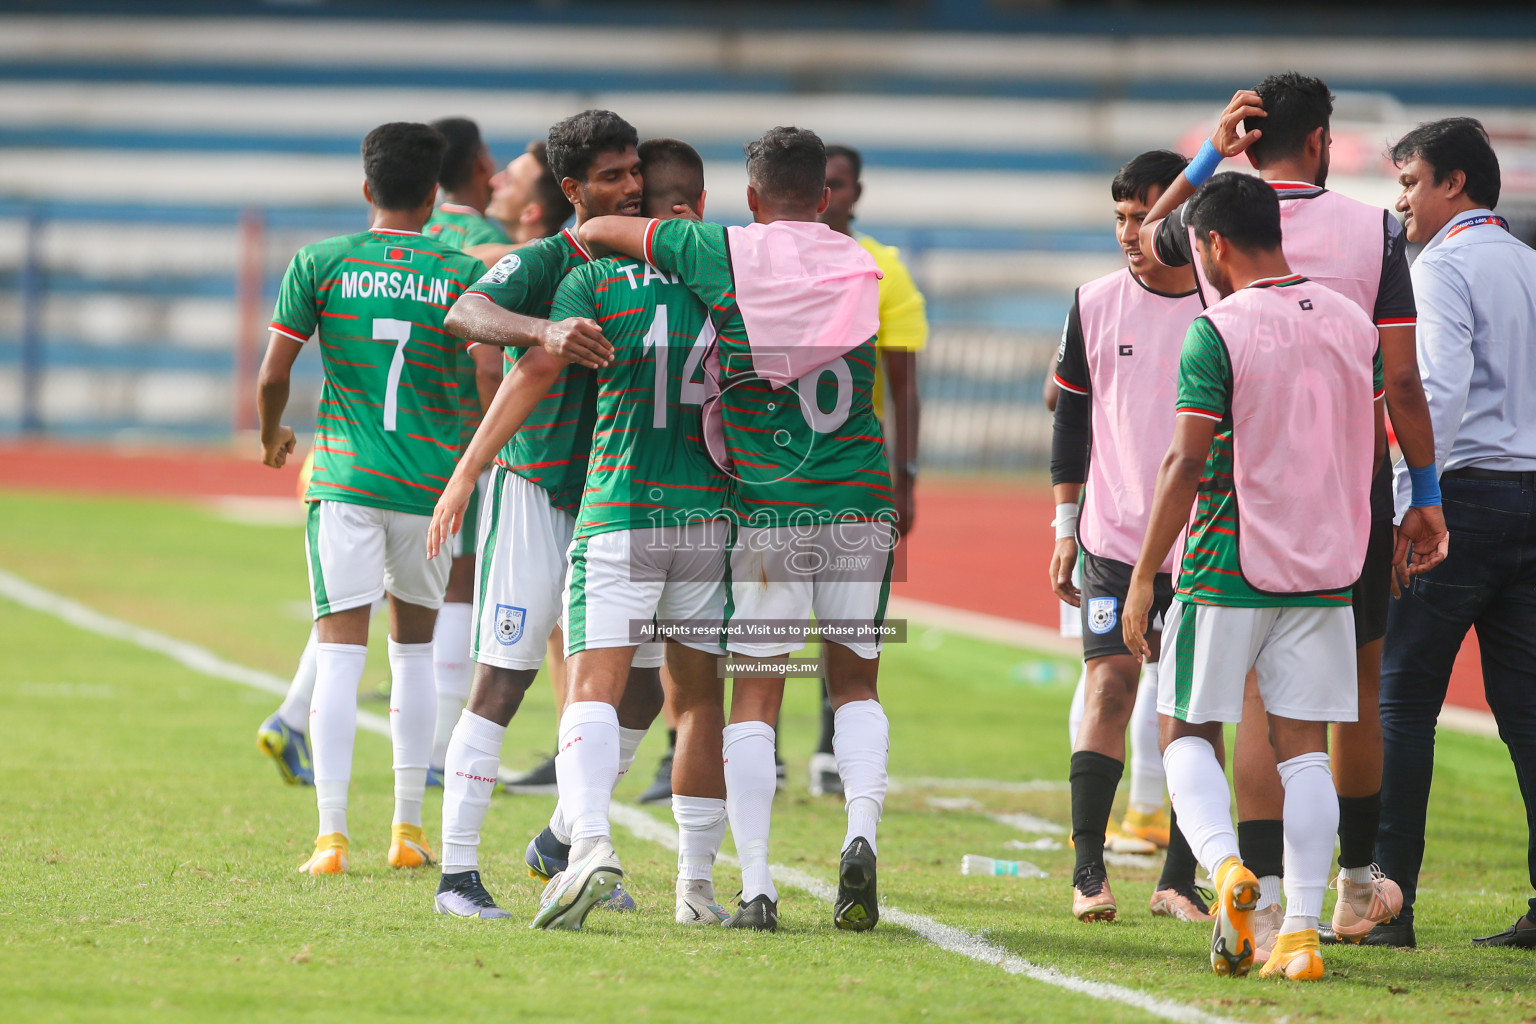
column 399, row 332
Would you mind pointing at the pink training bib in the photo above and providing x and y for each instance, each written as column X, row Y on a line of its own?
column 1335, row 241
column 1132, row 337
column 807, row 295
column 1303, row 433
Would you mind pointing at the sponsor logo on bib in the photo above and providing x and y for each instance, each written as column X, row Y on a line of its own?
column 509, row 624
column 1103, row 614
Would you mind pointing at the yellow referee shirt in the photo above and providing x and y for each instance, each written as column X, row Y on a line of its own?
column 903, row 313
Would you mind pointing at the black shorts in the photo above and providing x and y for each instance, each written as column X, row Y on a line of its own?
column 1105, row 584
column 1373, row 590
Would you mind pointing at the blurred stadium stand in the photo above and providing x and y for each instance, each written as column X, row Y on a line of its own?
column 157, row 170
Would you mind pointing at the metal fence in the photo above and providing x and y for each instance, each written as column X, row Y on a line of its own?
column 149, row 321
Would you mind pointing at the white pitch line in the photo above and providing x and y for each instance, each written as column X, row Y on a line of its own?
column 946, row 937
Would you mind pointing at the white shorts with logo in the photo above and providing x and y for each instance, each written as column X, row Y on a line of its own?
column 520, row 574
column 1304, row 657
column 358, row 553
column 623, row 579
column 838, row 572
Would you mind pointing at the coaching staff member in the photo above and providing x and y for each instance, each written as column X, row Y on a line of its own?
column 1475, row 284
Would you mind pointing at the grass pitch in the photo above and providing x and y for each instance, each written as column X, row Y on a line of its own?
column 149, row 850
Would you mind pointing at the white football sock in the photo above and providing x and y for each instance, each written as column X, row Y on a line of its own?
column 333, row 728
column 1075, row 713
column 588, row 766
column 861, row 740
column 294, row 710
column 701, row 822
column 1269, row 891
column 1311, row 823
column 1198, row 789
column 1146, row 759
column 469, row 779
column 412, row 718
column 452, row 671
column 629, row 746
column 559, row 826
column 750, row 782
column 1359, row 876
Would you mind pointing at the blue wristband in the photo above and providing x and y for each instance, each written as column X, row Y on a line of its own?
column 1426, row 485
column 1203, row 165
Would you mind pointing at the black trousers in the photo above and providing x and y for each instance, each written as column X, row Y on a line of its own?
column 1488, row 583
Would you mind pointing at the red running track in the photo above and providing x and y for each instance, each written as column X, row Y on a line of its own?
column 978, row 546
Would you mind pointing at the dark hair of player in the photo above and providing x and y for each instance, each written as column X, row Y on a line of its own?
column 575, row 142
column 1455, row 144
column 547, row 192
column 464, row 148
column 1295, row 105
column 855, row 160
column 1238, row 207
column 788, row 165
column 674, row 175
column 401, row 161
column 1141, row 174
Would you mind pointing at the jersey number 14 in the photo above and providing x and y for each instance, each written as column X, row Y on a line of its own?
column 693, row 392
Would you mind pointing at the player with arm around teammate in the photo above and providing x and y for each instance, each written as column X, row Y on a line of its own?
column 649, row 547
column 385, row 443
column 796, row 425
column 1282, row 127
column 1278, row 427
column 536, row 488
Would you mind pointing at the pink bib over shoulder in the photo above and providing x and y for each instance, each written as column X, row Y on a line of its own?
column 807, row 295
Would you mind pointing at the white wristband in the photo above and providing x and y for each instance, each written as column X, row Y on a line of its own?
column 1066, row 520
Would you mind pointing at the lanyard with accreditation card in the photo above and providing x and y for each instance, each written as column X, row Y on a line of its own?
column 1472, row 222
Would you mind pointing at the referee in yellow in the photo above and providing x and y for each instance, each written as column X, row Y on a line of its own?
column 903, row 331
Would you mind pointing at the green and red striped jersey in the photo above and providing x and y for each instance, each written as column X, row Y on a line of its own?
column 551, row 448
column 812, row 451
column 463, row 226
column 648, row 466
column 388, row 431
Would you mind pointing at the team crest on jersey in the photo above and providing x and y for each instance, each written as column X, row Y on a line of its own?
column 504, row 268
column 1103, row 613
column 509, row 624
column 396, row 254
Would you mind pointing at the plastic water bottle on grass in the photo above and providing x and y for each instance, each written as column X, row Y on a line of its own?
column 975, row 864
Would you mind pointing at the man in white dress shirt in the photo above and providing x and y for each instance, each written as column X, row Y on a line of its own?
column 1475, row 284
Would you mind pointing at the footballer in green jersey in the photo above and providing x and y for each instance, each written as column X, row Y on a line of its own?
column 648, row 466
column 819, row 457
column 551, row 449
column 388, row 431
column 386, row 444
column 522, row 564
